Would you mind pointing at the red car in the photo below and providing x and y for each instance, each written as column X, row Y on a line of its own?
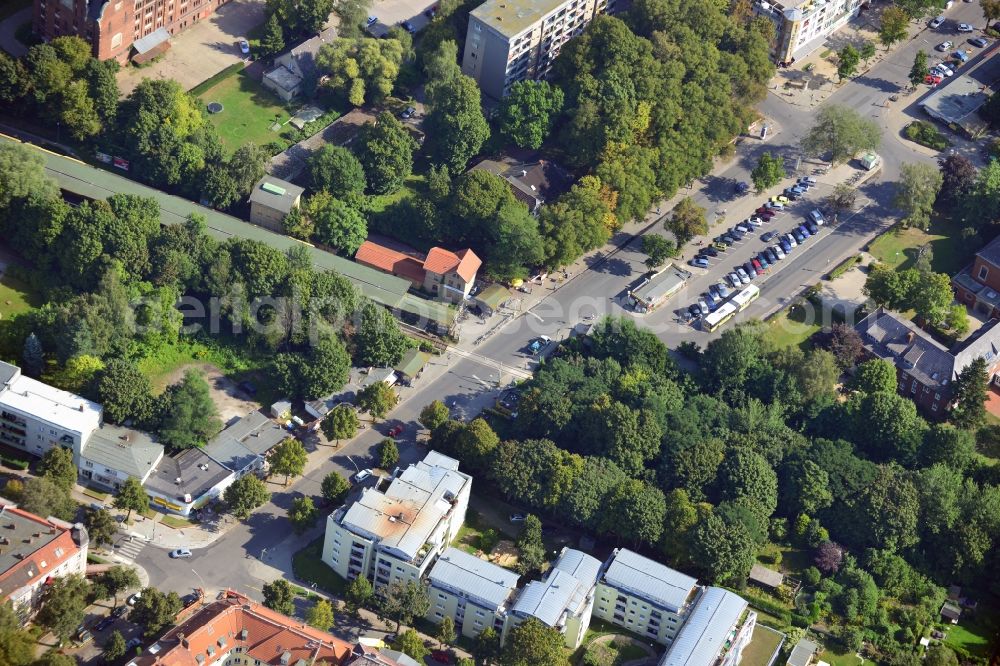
column 932, row 79
column 441, row 657
column 396, row 430
column 757, row 265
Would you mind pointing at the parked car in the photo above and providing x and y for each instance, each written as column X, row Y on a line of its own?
column 791, row 240
column 933, row 79
column 751, row 271
column 539, row 344
column 768, row 236
column 754, row 221
column 809, row 181
column 944, row 46
column 361, row 476
column 710, row 251
column 777, row 198
column 811, row 226
column 132, row 644
column 104, row 623
column 84, row 636
column 396, row 430
column 778, row 251
column 786, row 247
column 771, row 256
column 793, row 195
column 408, row 113
column 734, row 280
column 744, row 228
column 190, row 598
column 942, row 69
column 179, row 553
column 441, row 657
column 244, row 47
column 965, row 27
column 799, row 238
column 517, row 517
column 723, row 290
column 695, row 310
column 775, row 205
column 703, row 305
column 757, row 266
column 132, row 599
column 817, row 217
column 762, row 258
column 802, row 230
column 712, row 302
column 372, row 21
column 725, row 240
column 408, row 27
column 431, row 12
column 936, row 22
column 720, row 246
column 698, row 262
column 742, row 188
column 981, row 42
column 960, row 55
column 713, row 289
column 122, row 611
column 247, row 387
column 744, row 276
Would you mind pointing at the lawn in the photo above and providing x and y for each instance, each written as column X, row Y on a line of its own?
column 412, row 187
column 248, row 112
column 170, row 357
column 761, row 648
column 790, row 327
column 16, row 296
column 970, row 637
column 898, row 247
column 839, row 657
column 309, row 567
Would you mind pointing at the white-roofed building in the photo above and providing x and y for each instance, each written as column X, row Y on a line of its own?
column 716, row 632
column 564, row 600
column 471, row 591
column 644, row 596
column 395, row 530
column 35, row 417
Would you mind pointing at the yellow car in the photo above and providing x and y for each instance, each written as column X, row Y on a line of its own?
column 779, row 198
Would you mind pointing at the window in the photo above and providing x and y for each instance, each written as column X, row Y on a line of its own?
column 937, row 396
column 934, row 407
column 983, row 272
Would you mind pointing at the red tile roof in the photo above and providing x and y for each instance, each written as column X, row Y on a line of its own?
column 441, row 261
column 237, row 621
column 390, row 261
column 31, row 548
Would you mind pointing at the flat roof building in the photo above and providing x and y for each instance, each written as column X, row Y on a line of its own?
column 187, row 481
column 471, row 591
column 716, row 632
column 271, row 200
column 654, row 291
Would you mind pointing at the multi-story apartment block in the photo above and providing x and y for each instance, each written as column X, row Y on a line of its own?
column 35, row 417
column 517, row 40
column 113, row 27
column 564, row 600
column 716, row 632
column 393, row 531
column 644, row 596
column 471, row 591
column 801, row 26
column 33, row 551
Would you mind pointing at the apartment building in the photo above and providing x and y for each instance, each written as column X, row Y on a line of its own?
column 120, row 29
column 112, row 454
column 394, row 531
column 518, row 40
column 35, row 417
column 716, row 632
column 978, row 284
column 471, row 591
column 564, row 600
column 801, row 26
column 643, row 596
column 33, row 551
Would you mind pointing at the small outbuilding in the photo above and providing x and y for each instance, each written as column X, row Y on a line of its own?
column 411, row 365
column 271, row 200
column 766, row 578
column 491, row 298
column 951, row 612
column 803, row 653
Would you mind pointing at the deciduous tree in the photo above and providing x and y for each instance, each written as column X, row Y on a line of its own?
column 531, row 549
column 320, row 615
column 245, row 494
column 434, row 414
column 361, row 70
column 404, row 601
column 57, row 466
column 579, row 221
column 456, row 127
column 385, row 150
column 377, row 399
column 687, row 220
column 278, row 596
column 848, row 59
column 359, row 593
column 893, row 26
column 115, row 648
column 411, row 644
column 101, row 526
column 336, row 170
column 189, row 416
column 919, row 69
column 334, row 488
column 273, row 40
column 119, row 579
column 446, row 631
column 380, row 343
column 916, row 192
column 876, row 375
column 131, row 497
column 335, row 224
column 533, row 644
column 288, row 458
column 124, row 392
column 64, row 605
column 724, row 551
column 528, row 112
column 769, row 171
column 969, row 394
column 302, row 513
column 841, row 132
column 43, row 497
column 340, row 423
column 658, row 249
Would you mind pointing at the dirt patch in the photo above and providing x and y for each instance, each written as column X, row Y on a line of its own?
column 229, row 400
column 505, row 554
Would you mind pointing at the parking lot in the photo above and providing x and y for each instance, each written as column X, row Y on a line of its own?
column 393, row 12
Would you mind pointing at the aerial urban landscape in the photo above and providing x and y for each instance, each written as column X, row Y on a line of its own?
column 500, row 332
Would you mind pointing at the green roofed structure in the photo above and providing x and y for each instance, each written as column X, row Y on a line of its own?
column 411, row 364
column 390, row 291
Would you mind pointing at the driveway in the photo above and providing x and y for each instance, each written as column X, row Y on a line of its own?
column 202, row 50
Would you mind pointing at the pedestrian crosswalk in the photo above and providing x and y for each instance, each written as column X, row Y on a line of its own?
column 128, row 548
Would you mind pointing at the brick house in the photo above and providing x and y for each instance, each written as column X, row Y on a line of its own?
column 445, row 274
column 978, row 284
column 925, row 368
column 112, row 27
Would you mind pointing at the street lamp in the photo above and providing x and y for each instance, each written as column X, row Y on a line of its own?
column 204, row 588
column 354, row 463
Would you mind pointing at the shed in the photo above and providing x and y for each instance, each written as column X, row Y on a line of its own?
column 411, row 364
column 765, row 577
column 271, row 200
column 803, row 653
column 951, row 612
column 375, row 375
column 491, row 298
column 282, row 409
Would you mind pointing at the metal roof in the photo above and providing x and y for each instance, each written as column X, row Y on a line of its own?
column 708, row 629
column 802, row 653
column 662, row 285
column 256, row 432
column 124, row 450
column 151, row 41
column 275, row 193
column 480, row 581
column 565, row 589
column 649, row 580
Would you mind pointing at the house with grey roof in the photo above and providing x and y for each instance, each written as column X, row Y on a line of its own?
column 295, row 73
column 271, row 200
column 717, row 630
column 474, row 593
column 112, row 454
column 564, row 600
column 644, row 596
column 242, row 447
column 187, row 481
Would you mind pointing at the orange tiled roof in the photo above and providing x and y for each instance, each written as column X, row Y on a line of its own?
column 237, row 621
column 390, row 261
column 442, row 261
column 52, row 545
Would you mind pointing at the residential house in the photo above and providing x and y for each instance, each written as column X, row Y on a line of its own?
column 474, row 593
column 295, row 73
column 187, row 481
column 113, row 454
column 271, row 200
column 926, row 369
column 394, row 531
column 644, row 596
column 978, row 284
column 716, row 632
column 447, row 275
column 33, row 552
column 803, row 654
column 34, row 417
column 532, row 183
column 242, row 447
column 235, row 629
column 564, row 600
column 801, row 26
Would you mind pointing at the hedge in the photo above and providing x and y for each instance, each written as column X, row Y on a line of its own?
column 210, row 82
column 843, row 267
column 926, row 134
column 13, row 463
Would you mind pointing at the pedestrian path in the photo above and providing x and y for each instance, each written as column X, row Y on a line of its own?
column 128, row 548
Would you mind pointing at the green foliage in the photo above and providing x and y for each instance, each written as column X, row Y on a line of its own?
column 411, row 644
column 302, row 513
column 527, row 113
column 530, row 547
column 446, row 631
column 434, row 414
column 847, row 62
column 876, row 375
column 301, row 18
column 335, row 169
column 279, row 596
column 114, row 649
column 189, row 417
column 320, row 615
column 893, row 26
column 340, row 423
column 379, row 341
column 119, row 579
column 658, row 249
column 919, row 70
column 245, row 494
column 273, row 41
column 916, row 192
column 101, row 526
column 579, row 221
column 377, row 399
column 969, row 394
column 32, row 356
column 131, row 497
column 533, row 644
column 124, row 392
column 334, row 223
column 928, row 293
column 57, row 466
column 334, row 488
column 687, row 219
column 22, row 173
column 840, row 133
column 44, row 497
column 769, row 171
column 388, row 453
column 288, row 458
column 64, row 605
column 359, row 593
column 361, row 70
column 385, row 150
column 402, row 602
column 455, row 125
column 351, row 15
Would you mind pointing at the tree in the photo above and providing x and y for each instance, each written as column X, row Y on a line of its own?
column 64, row 605
column 289, row 458
column 124, row 392
column 402, row 602
column 411, row 644
column 658, row 249
column 769, row 171
column 845, row 344
column 456, row 127
column 916, row 192
column 320, row 615
column 115, row 648
column 446, row 631
column 336, row 170
column 876, row 375
column 334, row 488
column 17, row 646
column 53, row 658
column 335, row 224
column 118, row 579
column 579, row 221
column 131, row 497
column 889, row 510
column 341, row 423
column 828, row 557
column 434, row 414
column 991, row 10
column 101, row 526
column 351, row 15
column 273, row 40
column 932, row 296
column 867, row 51
column 533, row 644
column 77, row 111
column 746, row 478
column 530, row 546
column 33, row 356
column 958, row 177
column 528, row 112
column 487, row 647
column 842, row 197
column 841, row 132
column 847, row 62
column 279, row 596
column 302, row 513
column 359, row 593
column 940, row 655
column 377, row 399
column 388, row 453
column 57, row 465
column 723, row 550
column 190, row 417
column 361, row 70
column 379, row 341
column 155, row 610
column 919, row 70
column 385, row 150
column 969, row 394
column 245, row 494
column 687, row 220
column 893, row 26
column 246, row 166
column 22, row 173
column 43, row 497
column 13, row 79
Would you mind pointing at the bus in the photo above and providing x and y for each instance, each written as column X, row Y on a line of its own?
column 743, row 299
column 712, row 321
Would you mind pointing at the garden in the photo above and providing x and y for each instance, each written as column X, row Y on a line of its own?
column 926, row 135
column 248, row 109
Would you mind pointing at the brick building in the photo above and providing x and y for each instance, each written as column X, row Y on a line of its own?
column 978, row 284
column 447, row 275
column 114, row 27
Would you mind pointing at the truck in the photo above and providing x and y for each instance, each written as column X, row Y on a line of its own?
column 870, row 161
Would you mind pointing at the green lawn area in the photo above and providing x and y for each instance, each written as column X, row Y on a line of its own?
column 412, row 187
column 16, row 296
column 790, row 328
column 248, row 112
column 309, row 567
column 170, row 357
column 761, row 647
column 971, row 635
column 840, row 657
column 176, row 522
column 898, row 247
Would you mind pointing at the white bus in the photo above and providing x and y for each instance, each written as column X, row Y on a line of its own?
column 743, row 299
column 712, row 321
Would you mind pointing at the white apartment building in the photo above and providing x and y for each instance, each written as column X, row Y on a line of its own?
column 393, row 531
column 471, row 591
column 517, row 40
column 564, row 600
column 644, row 596
column 716, row 632
column 35, row 417
column 801, row 26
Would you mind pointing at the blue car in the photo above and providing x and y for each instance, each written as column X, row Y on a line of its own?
column 712, row 303
column 762, row 258
column 786, row 246
column 805, row 232
column 813, row 229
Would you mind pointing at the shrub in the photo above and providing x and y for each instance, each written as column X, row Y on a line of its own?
column 927, row 135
